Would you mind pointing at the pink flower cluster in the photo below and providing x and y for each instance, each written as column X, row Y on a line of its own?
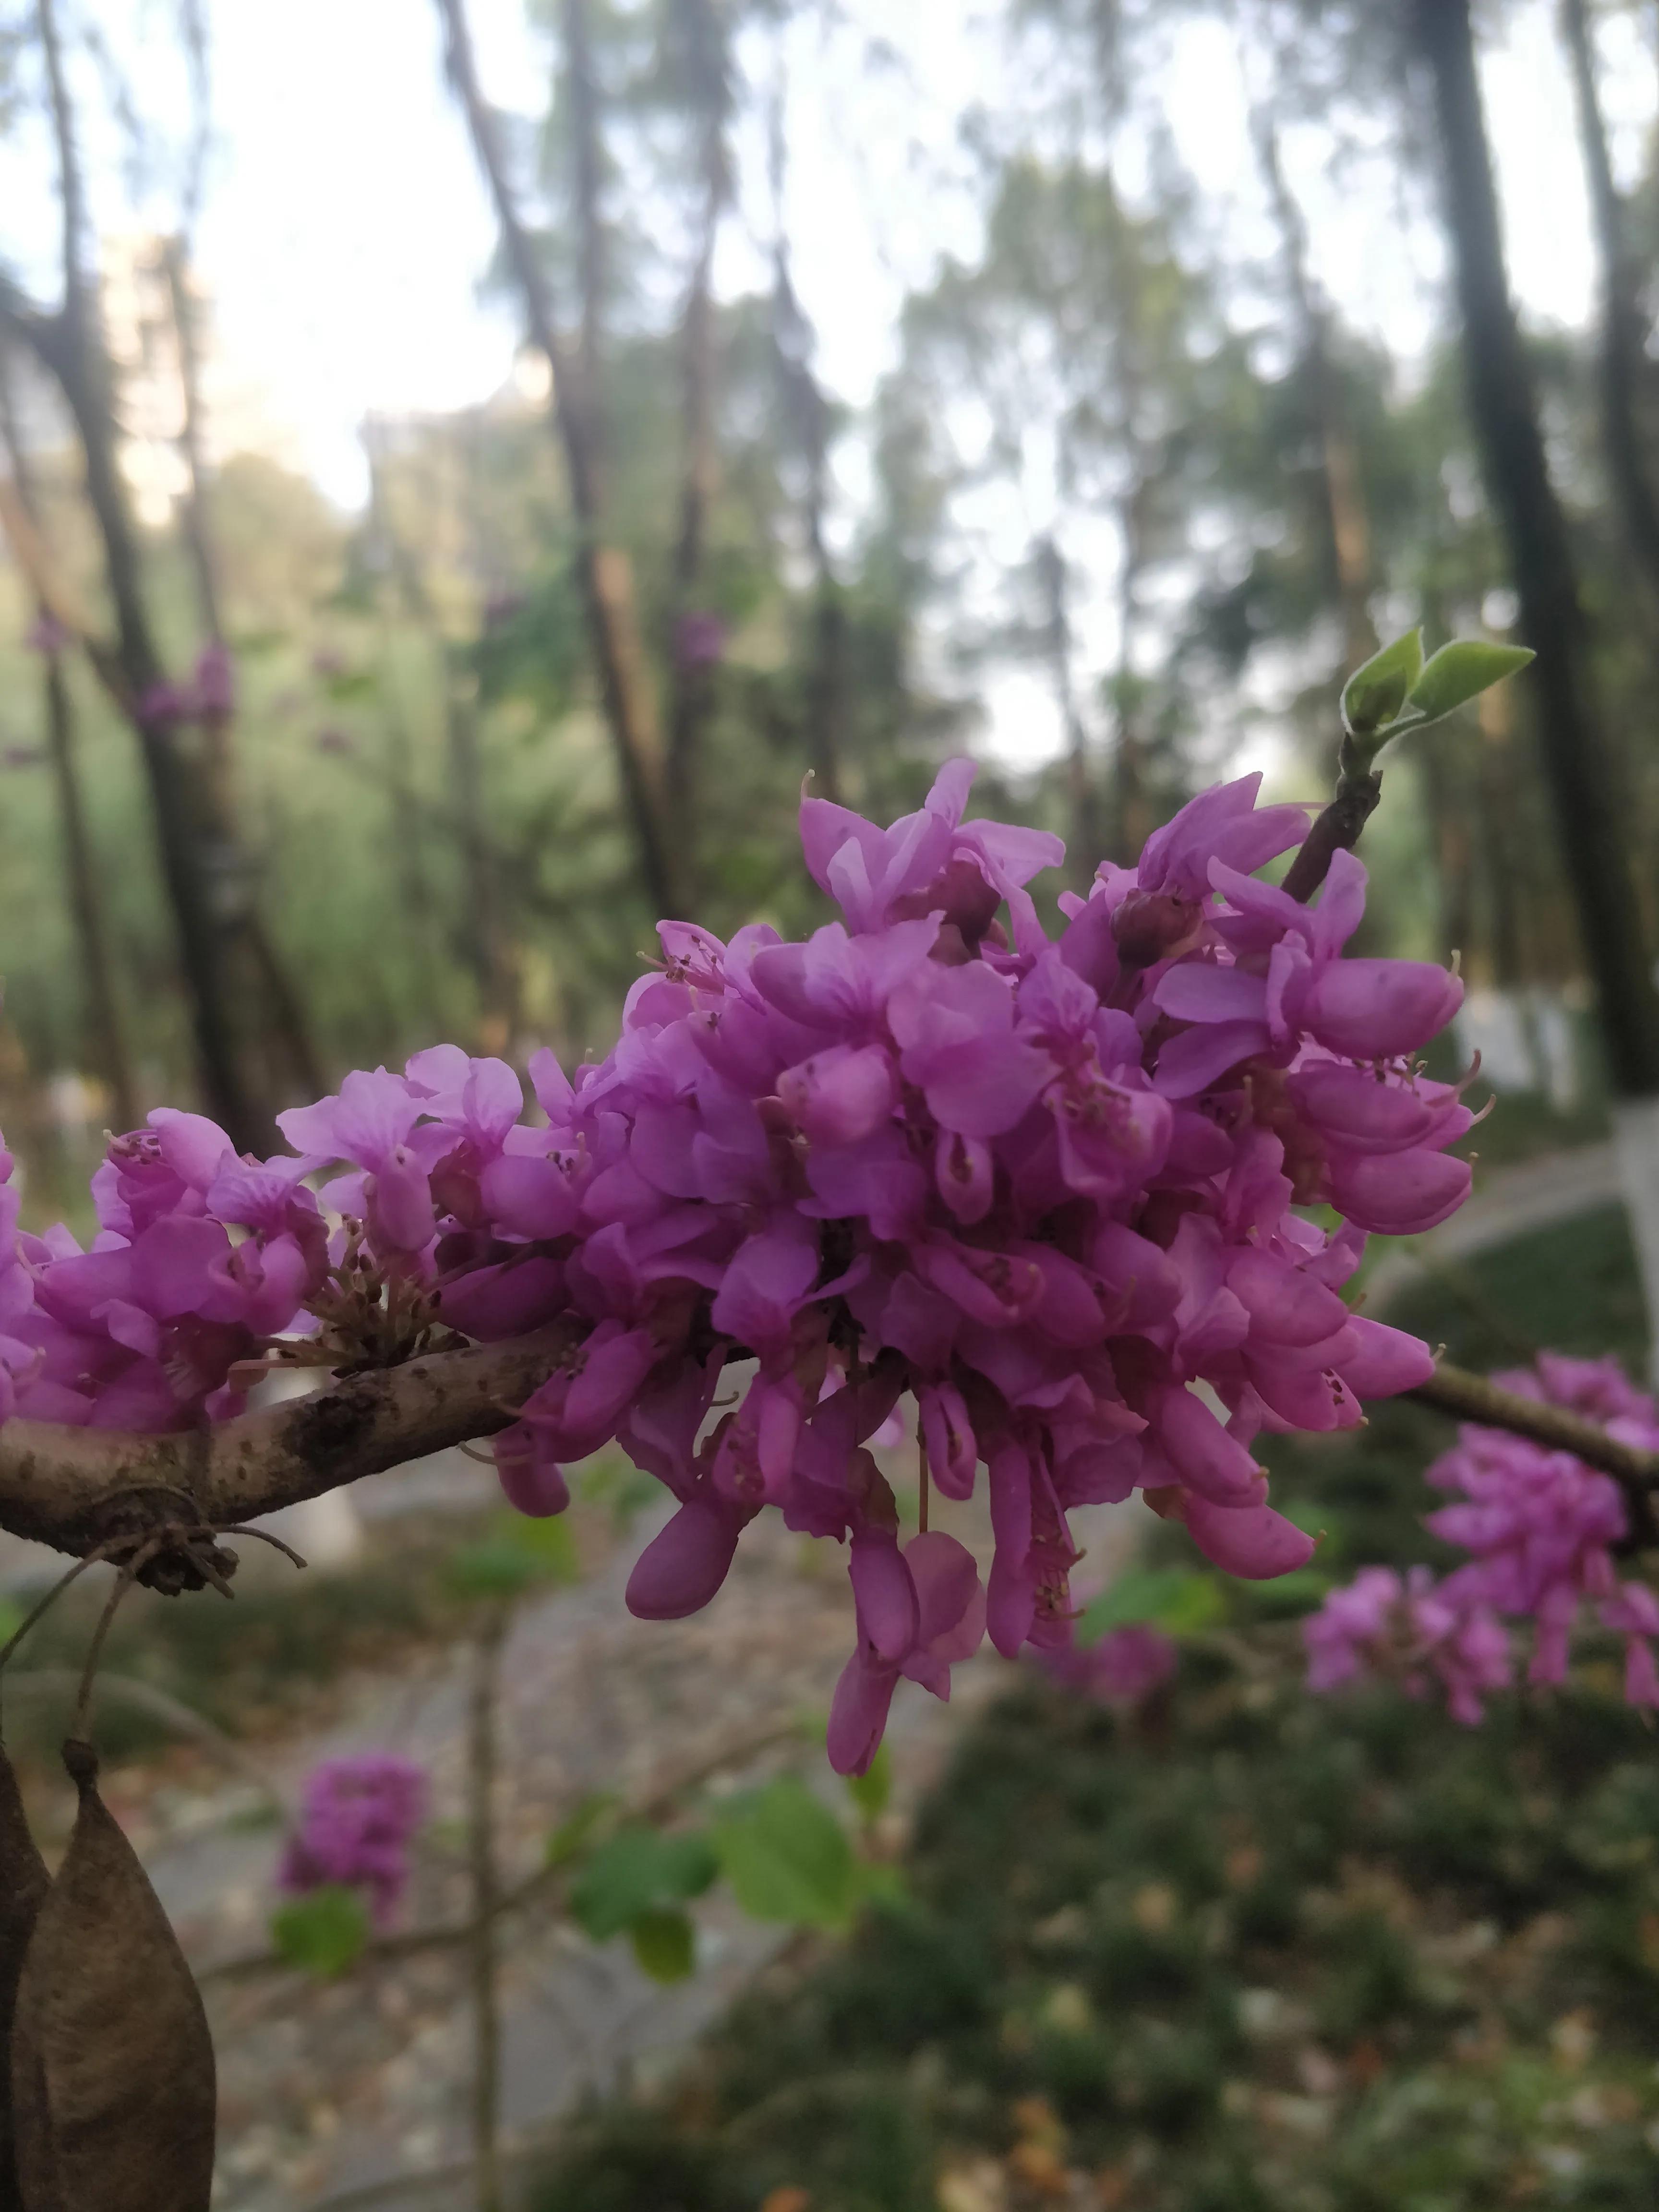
column 357, row 1819
column 1540, row 1525
column 1122, row 1668
column 1045, row 1189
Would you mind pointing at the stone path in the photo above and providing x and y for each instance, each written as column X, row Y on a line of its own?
column 333, row 2096
column 1532, row 1194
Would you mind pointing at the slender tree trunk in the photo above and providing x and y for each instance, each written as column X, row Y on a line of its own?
column 482, row 933
column 106, row 1043
column 481, row 1751
column 407, row 830
column 606, row 574
column 71, row 345
column 251, row 948
column 1133, row 807
column 1342, row 493
column 1629, row 472
column 694, row 659
column 1578, row 759
column 1085, row 847
column 806, row 413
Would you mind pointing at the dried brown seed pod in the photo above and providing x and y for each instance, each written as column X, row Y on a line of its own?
column 112, row 2075
column 24, row 1882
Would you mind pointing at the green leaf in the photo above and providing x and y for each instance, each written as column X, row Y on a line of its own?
column 1459, row 672
column 492, row 1568
column 547, row 1541
column 516, row 1552
column 638, row 1869
column 664, row 1943
column 1180, row 1600
column 1375, row 693
column 352, row 684
column 1313, row 1519
column 787, row 1857
column 323, row 1931
column 1286, row 1597
column 571, row 1838
column 871, row 1790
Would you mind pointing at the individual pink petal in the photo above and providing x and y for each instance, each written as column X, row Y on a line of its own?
column 531, row 1477
column 1252, row 1541
column 684, row 1564
column 1193, row 1060
column 398, row 1195
column 840, row 1095
column 195, row 1148
column 1389, row 1360
column 857, row 1712
column 1379, row 1009
column 1398, row 1193
column 886, row 1594
column 1207, row 1460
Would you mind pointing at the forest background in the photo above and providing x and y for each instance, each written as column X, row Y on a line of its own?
column 1155, row 421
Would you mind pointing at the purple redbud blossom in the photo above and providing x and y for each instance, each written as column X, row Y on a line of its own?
column 357, row 1819
column 1541, row 1528
column 699, row 640
column 46, row 634
column 215, row 683
column 1122, row 1667
column 1050, row 1202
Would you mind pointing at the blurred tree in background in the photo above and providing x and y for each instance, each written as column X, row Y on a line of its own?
column 1132, row 471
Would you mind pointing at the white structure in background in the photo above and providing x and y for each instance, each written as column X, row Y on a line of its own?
column 237, row 415
column 327, row 1531
column 1527, row 1041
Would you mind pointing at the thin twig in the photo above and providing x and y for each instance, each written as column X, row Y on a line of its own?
column 1474, row 1398
column 481, row 1851
column 545, row 1885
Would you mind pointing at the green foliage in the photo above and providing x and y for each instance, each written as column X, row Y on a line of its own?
column 1290, row 1953
column 787, row 1856
column 518, row 1552
column 1459, row 672
column 1374, row 695
column 568, row 1842
column 871, row 1790
column 323, row 1932
column 1178, row 1600
column 664, row 1943
column 637, row 1871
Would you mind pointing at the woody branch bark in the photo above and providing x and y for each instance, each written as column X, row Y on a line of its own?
column 606, row 574
column 75, row 1488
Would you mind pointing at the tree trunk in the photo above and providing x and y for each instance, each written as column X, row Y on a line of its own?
column 1630, row 475
column 72, row 346
column 606, row 573
column 106, row 1043
column 1133, row 807
column 694, row 658
column 1085, row 847
column 254, row 958
column 1343, row 497
column 1578, row 759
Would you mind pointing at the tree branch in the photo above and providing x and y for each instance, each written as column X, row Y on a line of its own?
column 1469, row 1397
column 75, row 1488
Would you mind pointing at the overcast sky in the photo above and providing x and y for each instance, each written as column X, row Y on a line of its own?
column 346, row 229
